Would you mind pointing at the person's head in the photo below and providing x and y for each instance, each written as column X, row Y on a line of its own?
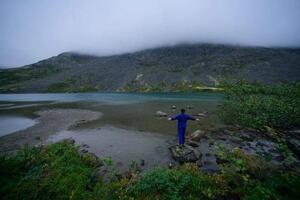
column 182, row 111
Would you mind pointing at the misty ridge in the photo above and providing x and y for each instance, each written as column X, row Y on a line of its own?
column 166, row 69
column 146, row 46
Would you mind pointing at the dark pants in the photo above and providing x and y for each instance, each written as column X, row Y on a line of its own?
column 181, row 133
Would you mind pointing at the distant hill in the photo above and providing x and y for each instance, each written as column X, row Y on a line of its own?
column 177, row 68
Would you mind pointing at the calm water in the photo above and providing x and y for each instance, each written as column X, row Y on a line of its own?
column 118, row 98
column 10, row 124
column 125, row 110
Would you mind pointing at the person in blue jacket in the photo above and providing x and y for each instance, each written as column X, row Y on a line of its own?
column 182, row 120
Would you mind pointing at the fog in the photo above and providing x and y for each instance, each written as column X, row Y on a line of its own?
column 32, row 30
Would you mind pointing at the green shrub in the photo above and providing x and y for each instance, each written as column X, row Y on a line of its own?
column 185, row 182
column 55, row 172
column 250, row 177
column 256, row 105
column 59, row 171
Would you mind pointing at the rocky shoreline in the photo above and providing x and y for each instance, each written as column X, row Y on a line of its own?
column 202, row 146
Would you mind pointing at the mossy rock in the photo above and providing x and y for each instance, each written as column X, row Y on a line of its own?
column 185, row 153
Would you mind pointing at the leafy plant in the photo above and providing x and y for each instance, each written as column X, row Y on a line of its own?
column 59, row 171
column 256, row 105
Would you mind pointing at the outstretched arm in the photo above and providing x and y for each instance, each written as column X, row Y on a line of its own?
column 192, row 118
column 173, row 118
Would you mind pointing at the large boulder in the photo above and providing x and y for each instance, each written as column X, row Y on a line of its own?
column 69, row 141
column 192, row 143
column 197, row 135
column 185, row 153
column 294, row 145
column 203, row 114
column 160, row 114
column 92, row 159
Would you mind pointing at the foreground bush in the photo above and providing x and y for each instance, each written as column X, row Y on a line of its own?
column 256, row 105
column 59, row 171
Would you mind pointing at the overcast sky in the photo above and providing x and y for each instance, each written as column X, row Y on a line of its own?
column 31, row 30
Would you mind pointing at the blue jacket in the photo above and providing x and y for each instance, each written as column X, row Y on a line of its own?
column 182, row 119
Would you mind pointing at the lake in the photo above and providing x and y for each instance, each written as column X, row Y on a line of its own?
column 130, row 110
column 114, row 97
column 10, row 124
column 126, row 129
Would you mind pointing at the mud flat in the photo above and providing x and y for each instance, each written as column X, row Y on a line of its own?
column 121, row 145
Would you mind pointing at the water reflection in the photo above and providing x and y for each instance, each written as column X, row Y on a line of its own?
column 10, row 124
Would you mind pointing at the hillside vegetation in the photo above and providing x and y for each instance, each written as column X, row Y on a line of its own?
column 257, row 105
column 59, row 171
column 178, row 68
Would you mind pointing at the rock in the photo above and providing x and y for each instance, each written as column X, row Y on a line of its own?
column 171, row 165
column 203, row 114
column 134, row 168
column 279, row 158
column 269, row 129
column 246, row 137
column 160, row 114
column 246, row 149
column 198, row 163
column 127, row 174
column 85, row 146
column 294, row 145
column 233, row 128
column 222, row 137
column 262, row 144
column 296, row 131
column 185, row 153
column 119, row 164
column 221, row 160
column 197, row 135
column 189, row 107
column 251, row 130
column 208, row 155
column 69, row 141
column 192, row 143
column 236, row 140
column 228, row 132
column 105, row 174
column 84, row 151
column 92, row 159
column 207, row 162
column 273, row 151
column 37, row 138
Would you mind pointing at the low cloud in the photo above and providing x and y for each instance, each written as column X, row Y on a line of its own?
column 32, row 30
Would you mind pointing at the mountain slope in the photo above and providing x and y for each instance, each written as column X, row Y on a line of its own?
column 161, row 69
